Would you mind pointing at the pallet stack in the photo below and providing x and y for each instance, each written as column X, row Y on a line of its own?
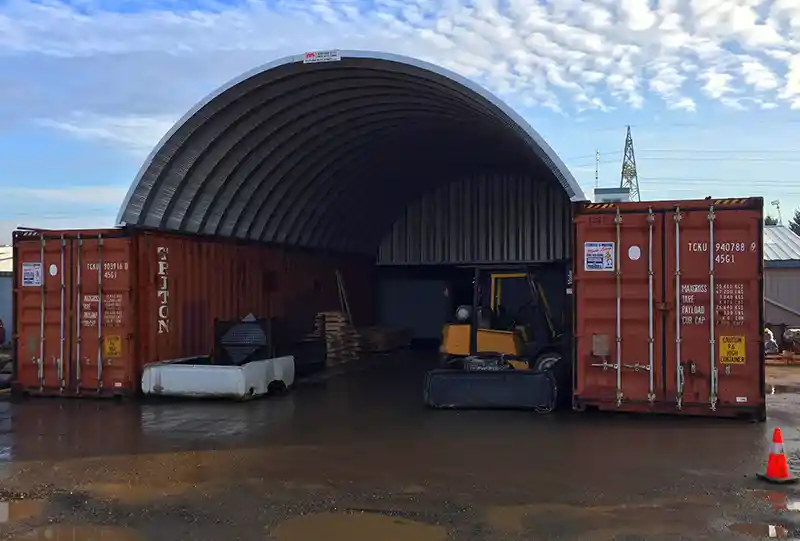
column 341, row 338
column 786, row 358
column 345, row 343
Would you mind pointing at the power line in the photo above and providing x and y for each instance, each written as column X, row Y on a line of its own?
column 592, row 155
column 706, row 125
column 754, row 159
column 718, row 151
column 753, row 182
column 644, row 154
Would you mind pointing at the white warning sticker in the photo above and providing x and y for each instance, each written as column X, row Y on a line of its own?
column 598, row 256
column 31, row 274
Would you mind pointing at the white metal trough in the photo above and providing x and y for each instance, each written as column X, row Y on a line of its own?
column 191, row 377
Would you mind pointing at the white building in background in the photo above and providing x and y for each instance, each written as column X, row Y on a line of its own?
column 6, row 289
column 781, row 276
column 6, row 259
column 612, row 195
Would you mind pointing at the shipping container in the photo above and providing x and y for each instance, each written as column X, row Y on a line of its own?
column 669, row 307
column 93, row 306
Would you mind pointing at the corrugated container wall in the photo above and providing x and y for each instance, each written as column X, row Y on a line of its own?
column 669, row 307
column 483, row 219
column 6, row 306
column 94, row 306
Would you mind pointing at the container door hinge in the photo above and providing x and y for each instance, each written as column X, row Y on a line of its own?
column 713, row 399
column 605, row 365
column 636, row 367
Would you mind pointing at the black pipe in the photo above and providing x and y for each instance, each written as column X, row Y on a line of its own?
column 473, row 328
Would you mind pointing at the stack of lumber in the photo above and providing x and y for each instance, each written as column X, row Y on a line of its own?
column 341, row 339
column 345, row 343
column 784, row 358
column 379, row 340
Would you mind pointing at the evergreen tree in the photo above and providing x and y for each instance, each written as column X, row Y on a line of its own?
column 769, row 220
column 794, row 223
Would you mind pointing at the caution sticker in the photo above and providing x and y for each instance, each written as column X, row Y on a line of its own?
column 598, row 256
column 731, row 349
column 112, row 346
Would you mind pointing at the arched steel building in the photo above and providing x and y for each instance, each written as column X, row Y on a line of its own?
column 367, row 153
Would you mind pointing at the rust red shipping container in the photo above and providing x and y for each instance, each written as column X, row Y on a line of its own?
column 669, row 307
column 92, row 307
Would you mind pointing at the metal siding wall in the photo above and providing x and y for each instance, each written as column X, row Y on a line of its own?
column 783, row 286
column 483, row 219
column 6, row 291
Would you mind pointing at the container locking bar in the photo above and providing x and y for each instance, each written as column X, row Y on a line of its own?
column 62, row 314
column 712, row 398
column 100, row 313
column 78, row 319
column 618, row 276
column 679, row 376
column 40, row 360
column 651, row 396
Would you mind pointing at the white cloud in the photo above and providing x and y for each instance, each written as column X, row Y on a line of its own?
column 758, row 75
column 716, row 84
column 137, row 133
column 73, row 195
column 124, row 77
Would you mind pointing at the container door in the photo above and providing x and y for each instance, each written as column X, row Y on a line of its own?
column 102, row 354
column 619, row 289
column 713, row 338
column 42, row 311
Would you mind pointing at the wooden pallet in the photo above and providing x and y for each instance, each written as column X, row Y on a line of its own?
column 345, row 343
column 341, row 339
column 787, row 358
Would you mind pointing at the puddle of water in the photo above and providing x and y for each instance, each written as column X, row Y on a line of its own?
column 781, row 389
column 769, row 531
column 135, row 494
column 14, row 511
column 356, row 527
column 512, row 518
column 73, row 532
column 778, row 500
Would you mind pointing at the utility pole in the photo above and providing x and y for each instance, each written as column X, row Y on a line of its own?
column 597, row 168
column 629, row 176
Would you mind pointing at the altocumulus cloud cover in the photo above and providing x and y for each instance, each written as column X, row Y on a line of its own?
column 88, row 87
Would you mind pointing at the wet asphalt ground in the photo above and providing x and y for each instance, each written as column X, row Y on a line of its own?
column 357, row 457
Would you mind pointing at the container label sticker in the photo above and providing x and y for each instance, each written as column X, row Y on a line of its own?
column 31, row 275
column 731, row 349
column 598, row 256
column 316, row 57
column 112, row 346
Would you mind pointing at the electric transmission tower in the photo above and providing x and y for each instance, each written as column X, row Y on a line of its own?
column 629, row 177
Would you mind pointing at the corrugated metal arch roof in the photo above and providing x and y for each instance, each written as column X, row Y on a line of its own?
column 327, row 154
column 781, row 247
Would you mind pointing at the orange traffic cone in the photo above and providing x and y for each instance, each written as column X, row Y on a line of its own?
column 777, row 468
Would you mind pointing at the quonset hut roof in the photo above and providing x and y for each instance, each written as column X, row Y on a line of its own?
column 781, row 247
column 328, row 154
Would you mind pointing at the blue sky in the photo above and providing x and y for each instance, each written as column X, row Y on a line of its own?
column 710, row 87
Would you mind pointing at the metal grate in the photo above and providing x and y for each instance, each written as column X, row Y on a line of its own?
column 239, row 342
